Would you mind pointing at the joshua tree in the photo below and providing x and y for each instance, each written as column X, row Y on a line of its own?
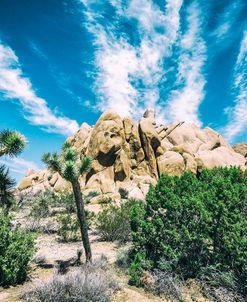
column 7, row 185
column 12, row 143
column 70, row 167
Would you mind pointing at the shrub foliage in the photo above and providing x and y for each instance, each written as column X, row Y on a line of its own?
column 16, row 250
column 192, row 222
column 69, row 227
column 113, row 223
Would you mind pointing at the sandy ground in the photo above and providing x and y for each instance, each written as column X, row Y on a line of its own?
column 54, row 251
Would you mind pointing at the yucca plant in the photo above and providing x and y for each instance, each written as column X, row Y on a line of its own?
column 12, row 143
column 70, row 167
column 7, row 185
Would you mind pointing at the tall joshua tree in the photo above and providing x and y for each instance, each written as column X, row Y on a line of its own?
column 70, row 167
column 12, row 143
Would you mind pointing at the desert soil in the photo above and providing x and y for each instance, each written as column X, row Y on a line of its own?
column 54, row 251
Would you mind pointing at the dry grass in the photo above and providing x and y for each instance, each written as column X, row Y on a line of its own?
column 164, row 284
column 89, row 283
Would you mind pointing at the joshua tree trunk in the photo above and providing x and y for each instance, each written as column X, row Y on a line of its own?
column 82, row 220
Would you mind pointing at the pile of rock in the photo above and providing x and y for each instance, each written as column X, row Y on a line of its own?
column 130, row 156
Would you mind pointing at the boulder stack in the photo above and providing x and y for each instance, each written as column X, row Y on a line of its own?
column 130, row 157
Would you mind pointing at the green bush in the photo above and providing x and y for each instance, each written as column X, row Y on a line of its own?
column 69, row 227
column 31, row 199
column 112, row 223
column 16, row 250
column 43, row 202
column 191, row 222
column 66, row 199
column 40, row 207
column 123, row 259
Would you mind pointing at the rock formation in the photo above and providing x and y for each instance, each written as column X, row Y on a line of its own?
column 132, row 157
column 241, row 148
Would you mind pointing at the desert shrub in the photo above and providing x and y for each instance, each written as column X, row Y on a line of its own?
column 16, row 250
column 220, row 286
column 43, row 201
column 112, row 223
column 49, row 226
column 69, row 227
column 164, row 284
column 191, row 222
column 221, row 293
column 123, row 259
column 213, row 276
column 66, row 199
column 31, row 199
column 40, row 207
column 90, row 283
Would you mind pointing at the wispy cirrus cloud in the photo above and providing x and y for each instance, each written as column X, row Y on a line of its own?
column 15, row 86
column 237, row 114
column 19, row 165
column 129, row 75
column 226, row 21
column 38, row 51
column 184, row 101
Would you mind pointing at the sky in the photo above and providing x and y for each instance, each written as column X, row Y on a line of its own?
column 63, row 63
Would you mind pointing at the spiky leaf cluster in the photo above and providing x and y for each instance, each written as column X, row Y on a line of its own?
column 52, row 161
column 86, row 164
column 70, row 155
column 12, row 143
column 7, row 185
column 68, row 164
column 70, row 170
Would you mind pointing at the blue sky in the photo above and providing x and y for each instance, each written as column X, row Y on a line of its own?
column 65, row 62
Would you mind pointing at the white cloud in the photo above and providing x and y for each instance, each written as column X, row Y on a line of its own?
column 238, row 113
column 121, row 65
column 226, row 21
column 19, row 165
column 15, row 86
column 117, row 62
column 185, row 101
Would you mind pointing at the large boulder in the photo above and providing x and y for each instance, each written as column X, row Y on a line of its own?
column 219, row 157
column 171, row 163
column 80, row 139
column 25, row 183
column 241, row 148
